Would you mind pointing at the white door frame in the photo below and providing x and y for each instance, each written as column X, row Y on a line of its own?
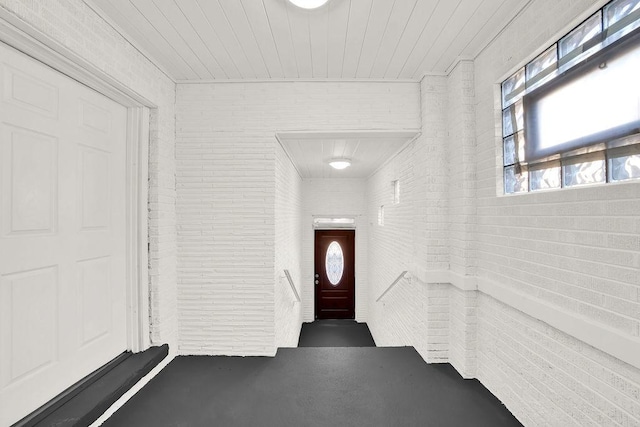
column 32, row 42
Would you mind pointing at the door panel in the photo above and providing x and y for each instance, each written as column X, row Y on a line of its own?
column 334, row 274
column 29, row 184
column 93, row 180
column 62, row 233
column 30, row 300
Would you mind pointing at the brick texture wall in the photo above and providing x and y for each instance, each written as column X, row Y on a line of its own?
column 288, row 250
column 497, row 279
column 462, row 216
column 548, row 378
column 74, row 25
column 579, row 248
column 226, row 186
column 414, row 236
column 574, row 251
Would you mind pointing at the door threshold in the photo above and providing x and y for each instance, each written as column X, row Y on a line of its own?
column 84, row 402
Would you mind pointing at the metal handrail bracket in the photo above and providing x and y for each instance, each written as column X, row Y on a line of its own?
column 293, row 287
column 395, row 282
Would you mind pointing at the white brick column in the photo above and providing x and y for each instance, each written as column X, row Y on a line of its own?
column 462, row 216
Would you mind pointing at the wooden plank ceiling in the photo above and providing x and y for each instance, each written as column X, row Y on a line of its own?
column 195, row 40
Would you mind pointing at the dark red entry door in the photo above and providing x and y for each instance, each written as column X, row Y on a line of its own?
column 334, row 274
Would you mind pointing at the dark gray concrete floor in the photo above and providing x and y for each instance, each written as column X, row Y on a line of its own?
column 346, row 386
column 335, row 333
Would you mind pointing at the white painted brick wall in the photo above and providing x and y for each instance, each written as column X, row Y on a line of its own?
column 463, row 331
column 77, row 27
column 392, row 249
column 414, row 236
column 548, row 378
column 335, row 197
column 226, row 180
column 576, row 249
column 462, row 168
column 462, row 215
column 432, row 177
column 226, row 238
column 288, row 250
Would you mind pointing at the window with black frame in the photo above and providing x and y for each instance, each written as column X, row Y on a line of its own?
column 571, row 116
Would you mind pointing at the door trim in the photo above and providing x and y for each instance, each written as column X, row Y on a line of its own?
column 31, row 41
column 138, row 327
column 20, row 35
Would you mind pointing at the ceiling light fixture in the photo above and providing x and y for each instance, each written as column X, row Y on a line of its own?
column 308, row 4
column 340, row 163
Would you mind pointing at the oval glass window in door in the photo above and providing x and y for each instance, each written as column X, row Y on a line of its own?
column 334, row 263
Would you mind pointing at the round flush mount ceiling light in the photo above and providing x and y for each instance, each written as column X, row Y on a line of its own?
column 340, row 163
column 308, row 4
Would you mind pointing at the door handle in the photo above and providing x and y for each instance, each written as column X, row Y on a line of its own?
column 317, row 281
column 317, row 275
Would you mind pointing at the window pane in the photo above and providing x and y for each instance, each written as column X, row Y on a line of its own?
column 622, row 14
column 580, row 119
column 512, row 88
column 542, row 65
column 578, row 37
column 334, row 263
column 515, row 183
column 509, row 151
column 584, row 173
column 545, row 178
column 513, row 119
column 510, row 144
column 587, row 105
column 625, row 167
column 330, row 223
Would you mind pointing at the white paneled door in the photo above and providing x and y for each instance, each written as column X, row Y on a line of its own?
column 62, row 235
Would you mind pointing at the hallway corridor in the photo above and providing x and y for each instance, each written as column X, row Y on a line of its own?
column 193, row 192
column 346, row 385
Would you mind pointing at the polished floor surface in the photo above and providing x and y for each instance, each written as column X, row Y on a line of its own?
column 313, row 386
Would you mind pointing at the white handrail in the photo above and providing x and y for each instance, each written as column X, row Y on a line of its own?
column 293, row 287
column 392, row 285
